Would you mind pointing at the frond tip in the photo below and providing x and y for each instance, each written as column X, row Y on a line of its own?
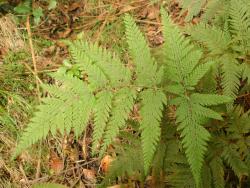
column 151, row 113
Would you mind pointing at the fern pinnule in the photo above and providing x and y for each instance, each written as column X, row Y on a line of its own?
column 151, row 114
column 209, row 99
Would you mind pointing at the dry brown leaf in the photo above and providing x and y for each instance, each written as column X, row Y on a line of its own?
column 153, row 13
column 74, row 154
column 126, row 9
column 89, row 175
column 75, row 6
column 65, row 33
column 115, row 186
column 105, row 163
column 56, row 164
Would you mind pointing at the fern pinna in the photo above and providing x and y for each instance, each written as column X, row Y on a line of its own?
column 108, row 90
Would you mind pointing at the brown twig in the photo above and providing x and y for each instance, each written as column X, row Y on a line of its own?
column 42, row 179
column 32, row 72
column 102, row 28
column 243, row 95
column 38, row 169
column 33, row 57
column 23, row 173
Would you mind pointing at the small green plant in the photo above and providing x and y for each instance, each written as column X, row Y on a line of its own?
column 25, row 8
column 203, row 143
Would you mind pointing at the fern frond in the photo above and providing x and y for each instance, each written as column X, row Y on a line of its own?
column 176, row 49
column 194, row 138
column 102, row 110
column 230, row 76
column 145, row 66
column 238, row 129
column 245, row 68
column 122, row 104
column 126, row 164
column 177, row 169
column 240, row 23
column 214, row 39
column 62, row 112
column 185, row 71
column 192, row 6
column 213, row 7
column 151, row 113
column 233, row 159
column 98, row 63
column 198, row 73
column 96, row 76
column 217, row 169
column 206, row 177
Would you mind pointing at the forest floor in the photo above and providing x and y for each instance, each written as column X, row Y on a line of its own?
column 29, row 52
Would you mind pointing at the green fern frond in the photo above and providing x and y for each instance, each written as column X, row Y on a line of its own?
column 59, row 113
column 217, row 170
column 240, row 23
column 176, row 50
column 98, row 63
column 145, row 66
column 214, row 39
column 102, row 112
column 126, row 164
column 238, row 128
column 233, row 158
column 193, row 7
column 230, row 75
column 206, row 177
column 194, row 138
column 122, row 104
column 177, row 168
column 151, row 114
column 96, row 76
column 212, row 9
column 183, row 63
column 198, row 73
column 245, row 68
